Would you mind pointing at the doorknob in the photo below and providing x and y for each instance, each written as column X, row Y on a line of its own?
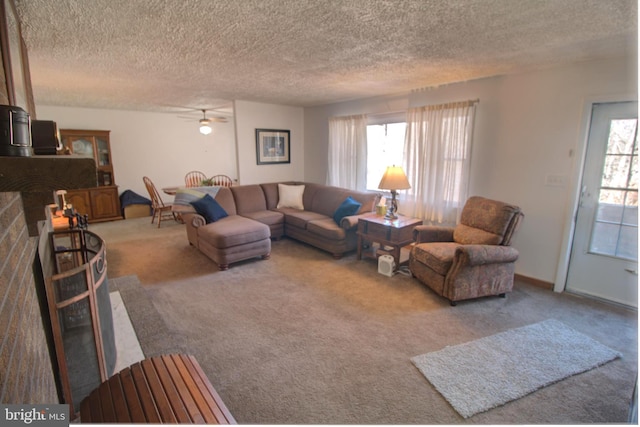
column 632, row 271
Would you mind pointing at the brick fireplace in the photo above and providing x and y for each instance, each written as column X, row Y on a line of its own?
column 25, row 360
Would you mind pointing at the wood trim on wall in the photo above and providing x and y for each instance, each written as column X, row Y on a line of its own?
column 9, row 89
column 6, row 61
column 533, row 281
column 31, row 103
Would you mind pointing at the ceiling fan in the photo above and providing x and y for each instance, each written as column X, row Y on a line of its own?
column 205, row 122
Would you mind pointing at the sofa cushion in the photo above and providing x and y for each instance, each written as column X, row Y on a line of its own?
column 209, row 208
column 290, row 196
column 266, row 217
column 327, row 199
column 249, row 198
column 437, row 256
column 466, row 235
column 233, row 230
column 348, row 207
column 225, row 198
column 270, row 190
column 326, row 228
column 489, row 215
column 300, row 218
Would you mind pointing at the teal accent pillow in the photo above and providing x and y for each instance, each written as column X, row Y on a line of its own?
column 350, row 206
column 209, row 208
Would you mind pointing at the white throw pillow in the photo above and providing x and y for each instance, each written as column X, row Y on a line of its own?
column 290, row 196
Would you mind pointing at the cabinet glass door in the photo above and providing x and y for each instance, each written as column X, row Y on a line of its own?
column 81, row 147
column 103, row 152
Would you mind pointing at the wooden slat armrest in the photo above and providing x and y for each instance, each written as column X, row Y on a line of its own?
column 151, row 412
column 199, row 414
column 106, row 403
column 131, row 396
column 119, row 400
column 213, row 398
column 159, row 393
column 165, row 389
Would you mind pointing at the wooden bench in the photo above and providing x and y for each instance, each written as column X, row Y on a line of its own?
column 165, row 389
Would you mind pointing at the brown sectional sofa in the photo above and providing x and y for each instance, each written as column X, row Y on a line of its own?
column 254, row 218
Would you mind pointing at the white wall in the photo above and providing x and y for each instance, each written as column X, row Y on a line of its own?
column 253, row 115
column 165, row 147
column 527, row 127
column 161, row 146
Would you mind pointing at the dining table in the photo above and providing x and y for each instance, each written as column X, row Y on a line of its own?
column 171, row 190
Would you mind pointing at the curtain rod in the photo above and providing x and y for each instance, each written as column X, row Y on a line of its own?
column 451, row 104
column 387, row 113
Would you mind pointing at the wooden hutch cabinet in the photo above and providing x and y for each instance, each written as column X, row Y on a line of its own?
column 101, row 203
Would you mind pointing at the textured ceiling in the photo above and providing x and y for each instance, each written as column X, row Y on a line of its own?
column 153, row 54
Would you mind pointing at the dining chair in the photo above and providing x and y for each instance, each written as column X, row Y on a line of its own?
column 221, row 181
column 160, row 208
column 194, row 178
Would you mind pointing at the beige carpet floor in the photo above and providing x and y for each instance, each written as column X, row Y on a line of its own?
column 306, row 339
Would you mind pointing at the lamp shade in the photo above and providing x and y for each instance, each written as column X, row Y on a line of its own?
column 394, row 178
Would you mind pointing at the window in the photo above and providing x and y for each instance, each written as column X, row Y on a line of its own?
column 431, row 143
column 438, row 148
column 385, row 147
column 615, row 230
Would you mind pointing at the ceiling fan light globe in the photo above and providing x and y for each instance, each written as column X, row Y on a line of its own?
column 205, row 129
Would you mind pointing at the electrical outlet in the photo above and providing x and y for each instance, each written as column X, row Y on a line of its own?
column 554, row 180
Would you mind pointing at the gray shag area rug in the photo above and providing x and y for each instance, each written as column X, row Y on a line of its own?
column 488, row 372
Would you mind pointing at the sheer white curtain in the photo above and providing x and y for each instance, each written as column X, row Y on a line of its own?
column 437, row 159
column 348, row 152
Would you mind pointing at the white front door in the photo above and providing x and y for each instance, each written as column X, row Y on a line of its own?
column 604, row 255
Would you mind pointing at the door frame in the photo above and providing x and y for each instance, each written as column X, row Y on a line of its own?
column 575, row 183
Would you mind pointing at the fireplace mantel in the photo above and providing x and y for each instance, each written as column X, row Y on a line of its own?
column 37, row 177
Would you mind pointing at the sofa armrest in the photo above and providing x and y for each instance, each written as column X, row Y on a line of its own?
column 432, row 233
column 351, row 221
column 194, row 219
column 472, row 255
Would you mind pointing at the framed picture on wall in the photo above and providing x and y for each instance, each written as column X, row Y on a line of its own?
column 273, row 146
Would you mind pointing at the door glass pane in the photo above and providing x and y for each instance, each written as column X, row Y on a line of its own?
column 628, row 242
column 622, row 135
column 616, row 171
column 630, row 215
column 604, row 239
column 633, row 178
column 615, row 229
column 609, row 212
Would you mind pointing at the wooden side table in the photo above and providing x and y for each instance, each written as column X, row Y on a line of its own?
column 396, row 234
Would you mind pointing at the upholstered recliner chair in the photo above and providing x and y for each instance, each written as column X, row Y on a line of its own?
column 474, row 258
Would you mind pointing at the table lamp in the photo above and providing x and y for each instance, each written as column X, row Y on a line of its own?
column 393, row 179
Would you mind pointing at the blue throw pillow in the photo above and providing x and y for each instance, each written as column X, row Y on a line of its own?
column 209, row 208
column 349, row 207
